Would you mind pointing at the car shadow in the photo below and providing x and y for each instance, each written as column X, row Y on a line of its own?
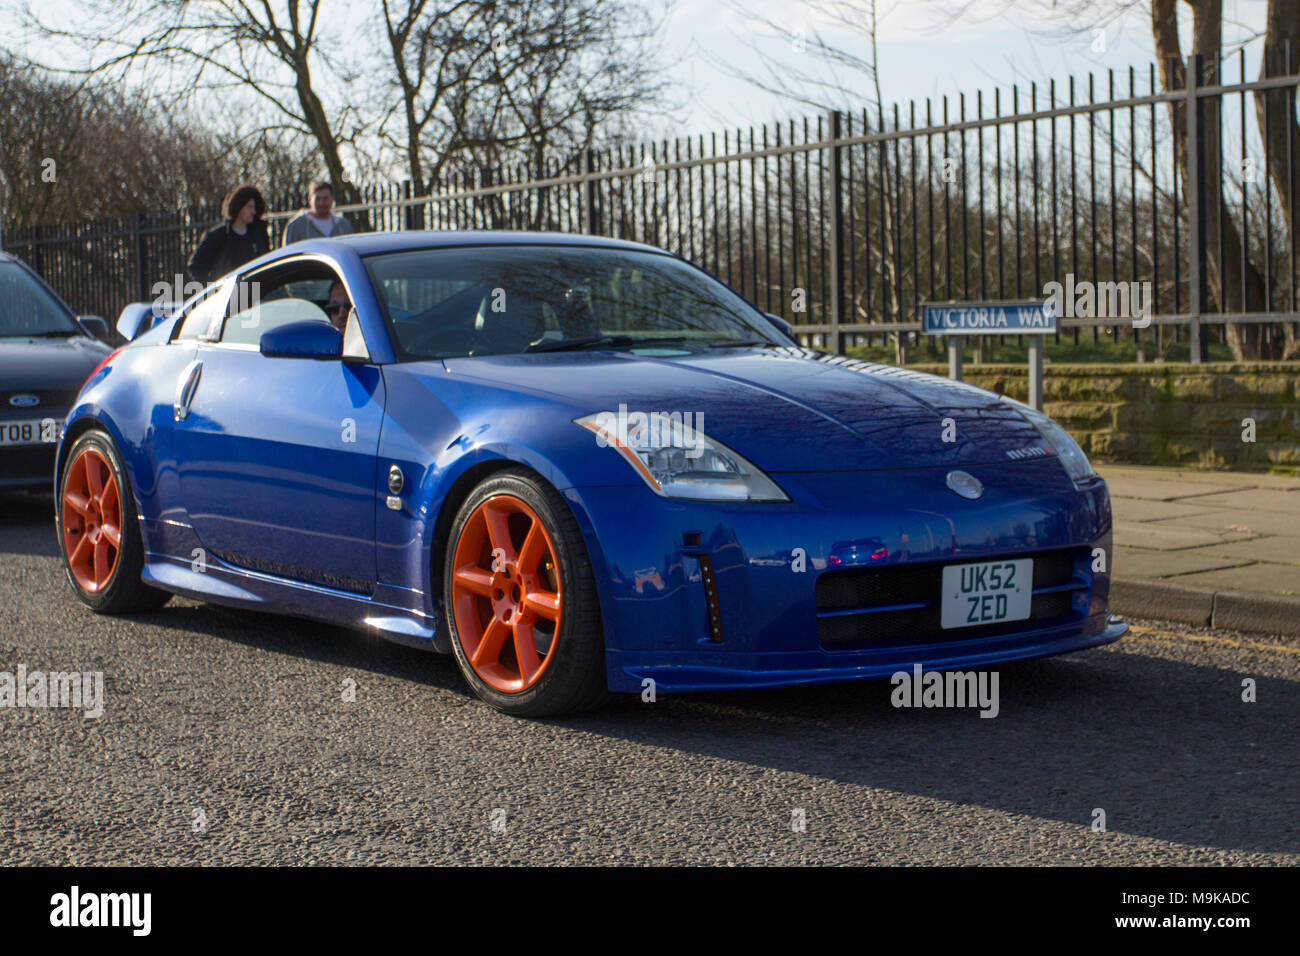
column 1167, row 749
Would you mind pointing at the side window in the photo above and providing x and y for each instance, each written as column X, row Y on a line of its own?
column 272, row 299
column 247, row 327
column 205, row 314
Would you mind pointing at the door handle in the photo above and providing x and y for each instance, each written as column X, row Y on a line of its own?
column 186, row 386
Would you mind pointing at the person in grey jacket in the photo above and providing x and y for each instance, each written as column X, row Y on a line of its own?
column 317, row 222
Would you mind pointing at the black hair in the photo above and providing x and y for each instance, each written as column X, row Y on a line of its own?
column 239, row 198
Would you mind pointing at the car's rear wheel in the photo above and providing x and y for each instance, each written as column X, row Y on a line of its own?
column 521, row 602
column 99, row 535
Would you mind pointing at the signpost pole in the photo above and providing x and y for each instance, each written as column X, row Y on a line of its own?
column 1036, row 372
column 956, row 321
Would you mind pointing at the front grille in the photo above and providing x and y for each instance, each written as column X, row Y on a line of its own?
column 23, row 464
column 54, row 402
column 866, row 589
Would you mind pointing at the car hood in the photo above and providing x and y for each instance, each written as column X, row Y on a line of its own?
column 785, row 409
column 48, row 364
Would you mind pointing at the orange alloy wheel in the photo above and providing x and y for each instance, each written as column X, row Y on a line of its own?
column 506, row 594
column 92, row 520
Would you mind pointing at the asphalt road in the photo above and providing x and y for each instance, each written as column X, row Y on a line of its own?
column 226, row 738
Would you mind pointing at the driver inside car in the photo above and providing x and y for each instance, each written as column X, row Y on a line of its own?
column 338, row 306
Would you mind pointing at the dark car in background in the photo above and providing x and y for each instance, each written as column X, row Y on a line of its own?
column 46, row 353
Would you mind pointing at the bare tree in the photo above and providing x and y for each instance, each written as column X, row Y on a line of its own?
column 484, row 84
column 438, row 57
column 266, row 53
column 1233, row 285
column 820, row 81
column 62, row 155
column 1276, row 114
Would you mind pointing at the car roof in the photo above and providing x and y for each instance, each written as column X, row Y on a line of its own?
column 373, row 243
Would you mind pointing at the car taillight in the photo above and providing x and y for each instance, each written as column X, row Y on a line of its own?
column 107, row 358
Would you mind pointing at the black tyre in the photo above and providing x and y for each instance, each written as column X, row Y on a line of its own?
column 99, row 534
column 520, row 600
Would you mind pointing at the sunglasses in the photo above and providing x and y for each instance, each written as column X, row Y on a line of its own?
column 333, row 308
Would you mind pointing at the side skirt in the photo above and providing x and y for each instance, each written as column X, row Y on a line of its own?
column 387, row 614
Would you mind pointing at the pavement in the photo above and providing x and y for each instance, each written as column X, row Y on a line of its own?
column 1207, row 548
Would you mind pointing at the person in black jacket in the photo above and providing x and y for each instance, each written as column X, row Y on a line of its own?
column 243, row 236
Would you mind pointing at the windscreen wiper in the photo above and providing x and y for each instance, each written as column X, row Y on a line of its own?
column 626, row 341
column 586, row 341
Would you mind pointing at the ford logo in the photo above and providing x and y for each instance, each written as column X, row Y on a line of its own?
column 24, row 401
column 968, row 486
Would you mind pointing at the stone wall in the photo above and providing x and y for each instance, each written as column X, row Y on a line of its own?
column 1158, row 413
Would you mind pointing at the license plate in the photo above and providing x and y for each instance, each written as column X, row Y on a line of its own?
column 29, row 432
column 986, row 593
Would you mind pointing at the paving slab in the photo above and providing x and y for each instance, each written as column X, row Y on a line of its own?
column 1145, row 564
column 1145, row 509
column 1194, row 476
column 1275, row 579
column 1161, row 536
column 1176, row 528
column 1228, row 524
column 1278, row 549
column 1167, row 488
column 1252, row 500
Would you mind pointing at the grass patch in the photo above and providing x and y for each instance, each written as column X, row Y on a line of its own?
column 1009, row 351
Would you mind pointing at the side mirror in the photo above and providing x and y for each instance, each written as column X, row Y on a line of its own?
column 781, row 324
column 95, row 325
column 137, row 319
column 305, row 339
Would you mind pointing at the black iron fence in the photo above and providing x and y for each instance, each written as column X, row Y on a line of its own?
column 846, row 223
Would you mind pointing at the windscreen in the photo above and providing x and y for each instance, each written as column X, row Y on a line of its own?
column 27, row 308
column 502, row 300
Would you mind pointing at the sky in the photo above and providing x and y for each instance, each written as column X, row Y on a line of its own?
column 923, row 50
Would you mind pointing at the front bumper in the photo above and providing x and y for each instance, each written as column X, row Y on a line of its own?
column 27, row 467
column 709, row 596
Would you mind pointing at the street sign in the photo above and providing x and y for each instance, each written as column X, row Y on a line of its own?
column 989, row 318
column 1033, row 319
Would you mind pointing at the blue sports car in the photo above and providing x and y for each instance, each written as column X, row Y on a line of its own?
column 579, row 465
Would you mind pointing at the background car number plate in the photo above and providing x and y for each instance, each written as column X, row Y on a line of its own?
column 986, row 593
column 29, row 432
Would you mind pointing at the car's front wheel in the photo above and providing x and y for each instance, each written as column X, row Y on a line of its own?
column 99, row 536
column 520, row 600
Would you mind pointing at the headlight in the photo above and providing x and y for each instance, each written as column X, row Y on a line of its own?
column 679, row 461
column 1067, row 449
